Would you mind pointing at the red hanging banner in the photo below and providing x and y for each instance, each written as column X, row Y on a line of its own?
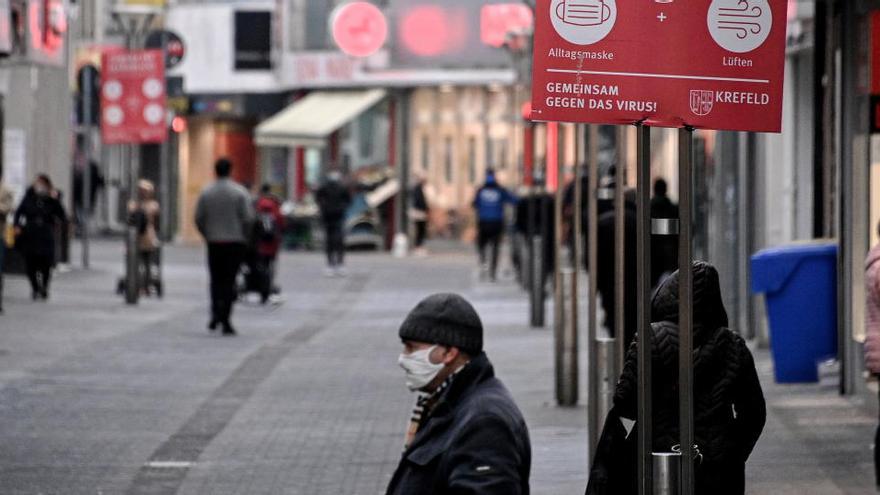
column 133, row 97
column 708, row 64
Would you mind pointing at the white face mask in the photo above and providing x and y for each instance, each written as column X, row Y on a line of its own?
column 420, row 371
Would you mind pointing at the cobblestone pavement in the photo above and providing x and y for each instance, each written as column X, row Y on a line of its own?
column 97, row 397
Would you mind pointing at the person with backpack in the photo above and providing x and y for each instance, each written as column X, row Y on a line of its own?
column 268, row 230
column 489, row 203
column 333, row 200
column 729, row 406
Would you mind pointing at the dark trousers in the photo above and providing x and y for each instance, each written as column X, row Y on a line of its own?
column 421, row 232
column 489, row 239
column 39, row 271
column 224, row 260
column 334, row 244
column 877, row 457
column 265, row 268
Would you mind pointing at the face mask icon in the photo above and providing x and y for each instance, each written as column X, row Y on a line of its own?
column 583, row 12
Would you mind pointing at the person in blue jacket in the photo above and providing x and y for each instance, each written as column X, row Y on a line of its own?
column 489, row 203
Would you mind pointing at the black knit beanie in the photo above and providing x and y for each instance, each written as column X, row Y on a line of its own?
column 445, row 319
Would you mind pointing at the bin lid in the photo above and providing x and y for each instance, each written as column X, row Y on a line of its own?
column 772, row 267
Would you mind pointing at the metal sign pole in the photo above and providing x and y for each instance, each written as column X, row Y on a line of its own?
column 592, row 264
column 165, row 160
column 132, row 150
column 643, row 253
column 86, row 86
column 619, row 256
column 685, row 309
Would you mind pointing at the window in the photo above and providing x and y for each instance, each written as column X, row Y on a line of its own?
column 448, row 160
column 366, row 133
column 426, row 153
column 472, row 160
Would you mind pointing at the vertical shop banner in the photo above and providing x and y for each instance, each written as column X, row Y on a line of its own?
column 133, row 97
column 707, row 64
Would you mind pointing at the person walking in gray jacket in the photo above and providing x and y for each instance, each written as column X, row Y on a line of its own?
column 224, row 215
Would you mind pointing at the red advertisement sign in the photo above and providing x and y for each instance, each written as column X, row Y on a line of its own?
column 133, row 97
column 708, row 64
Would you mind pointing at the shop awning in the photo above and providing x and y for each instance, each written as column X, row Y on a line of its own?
column 310, row 120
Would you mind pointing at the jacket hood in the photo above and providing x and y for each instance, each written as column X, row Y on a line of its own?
column 708, row 306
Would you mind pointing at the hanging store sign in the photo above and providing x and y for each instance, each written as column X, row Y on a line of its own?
column 707, row 64
column 133, row 97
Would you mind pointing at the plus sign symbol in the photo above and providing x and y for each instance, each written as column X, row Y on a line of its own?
column 662, row 17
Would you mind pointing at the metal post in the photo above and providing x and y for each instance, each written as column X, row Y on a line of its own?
column 619, row 258
column 86, row 85
column 132, row 151
column 537, row 289
column 622, row 144
column 643, row 281
column 685, row 309
column 401, row 239
column 667, row 473
column 606, row 378
column 592, row 264
column 165, row 162
column 565, row 323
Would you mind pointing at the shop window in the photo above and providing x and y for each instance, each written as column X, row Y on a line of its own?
column 426, row 153
column 472, row 160
column 367, row 133
column 448, row 160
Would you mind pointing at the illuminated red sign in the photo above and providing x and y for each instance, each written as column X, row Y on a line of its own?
column 429, row 30
column 133, row 97
column 710, row 64
column 359, row 28
column 498, row 21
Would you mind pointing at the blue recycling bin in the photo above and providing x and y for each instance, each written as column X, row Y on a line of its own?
column 799, row 283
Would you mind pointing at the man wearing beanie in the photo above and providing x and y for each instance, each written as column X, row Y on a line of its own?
column 466, row 435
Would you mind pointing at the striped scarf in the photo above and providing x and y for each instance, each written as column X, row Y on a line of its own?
column 425, row 404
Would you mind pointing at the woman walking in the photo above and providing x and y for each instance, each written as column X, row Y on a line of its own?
column 37, row 218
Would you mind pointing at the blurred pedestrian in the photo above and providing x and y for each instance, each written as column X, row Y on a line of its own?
column 37, row 220
column 224, row 215
column 144, row 214
column 333, row 200
column 419, row 213
column 267, row 240
column 872, row 331
column 489, row 203
column 466, row 434
column 664, row 248
column 729, row 407
column 6, row 206
column 606, row 277
column 82, row 205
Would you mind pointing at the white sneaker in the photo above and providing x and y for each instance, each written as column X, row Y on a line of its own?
column 341, row 271
column 329, row 272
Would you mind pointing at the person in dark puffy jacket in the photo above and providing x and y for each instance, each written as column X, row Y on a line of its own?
column 466, row 435
column 37, row 220
column 729, row 407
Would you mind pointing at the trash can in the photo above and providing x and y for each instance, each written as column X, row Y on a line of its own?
column 799, row 283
